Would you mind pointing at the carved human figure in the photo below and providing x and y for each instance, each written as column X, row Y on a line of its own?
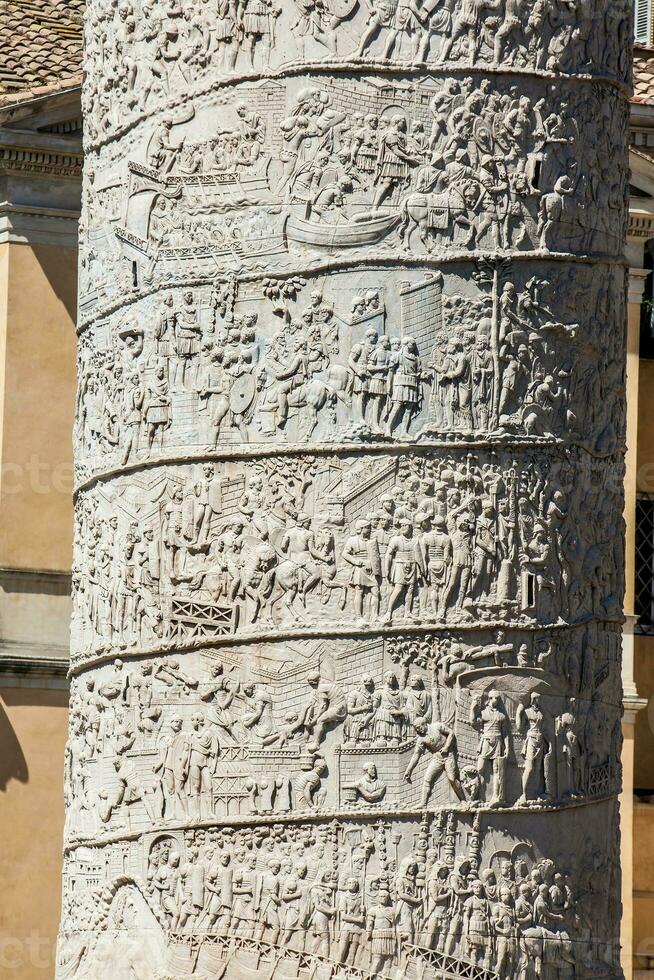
column 489, row 716
column 370, row 788
column 361, row 553
column 505, row 927
column 299, row 548
column 390, row 715
column 381, row 933
column 245, row 893
column 437, row 555
column 462, row 538
column 326, row 708
column 418, row 702
column 460, row 891
column 220, row 692
column 187, row 341
column 434, row 927
column 132, row 416
column 359, row 360
column 270, row 902
column 322, row 914
column 362, row 702
column 394, row 159
column 439, row 741
column 128, row 788
column 570, row 750
column 352, row 922
column 203, row 754
column 477, row 926
column 405, row 387
column 402, row 566
column 536, row 750
column 156, row 409
column 307, row 789
column 172, row 763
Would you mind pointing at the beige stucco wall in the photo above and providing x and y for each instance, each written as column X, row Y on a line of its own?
column 643, row 882
column 37, row 402
column 646, row 428
column 644, row 753
column 37, row 399
column 33, row 726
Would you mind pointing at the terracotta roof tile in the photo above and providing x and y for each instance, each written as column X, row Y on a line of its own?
column 10, row 99
column 643, row 75
column 40, row 42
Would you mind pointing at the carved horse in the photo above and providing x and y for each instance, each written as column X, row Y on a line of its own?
column 429, row 212
column 553, row 951
column 315, row 394
column 467, row 204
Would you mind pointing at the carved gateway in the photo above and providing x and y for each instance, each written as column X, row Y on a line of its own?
column 345, row 695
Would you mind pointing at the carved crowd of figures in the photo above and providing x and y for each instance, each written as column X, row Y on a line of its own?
column 281, row 544
column 347, row 575
column 173, row 740
column 443, row 166
column 140, row 52
column 349, row 898
column 290, row 365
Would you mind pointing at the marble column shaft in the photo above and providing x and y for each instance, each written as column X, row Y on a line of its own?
column 348, row 570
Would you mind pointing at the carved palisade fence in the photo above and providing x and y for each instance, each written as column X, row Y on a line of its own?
column 347, row 585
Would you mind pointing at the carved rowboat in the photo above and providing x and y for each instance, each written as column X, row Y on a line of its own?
column 365, row 232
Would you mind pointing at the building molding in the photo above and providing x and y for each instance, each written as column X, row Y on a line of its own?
column 32, row 225
column 641, row 225
column 47, row 574
column 637, row 280
column 42, row 672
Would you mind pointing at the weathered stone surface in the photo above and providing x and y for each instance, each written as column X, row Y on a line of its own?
column 348, row 571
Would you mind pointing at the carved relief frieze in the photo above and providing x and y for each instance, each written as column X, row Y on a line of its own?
column 143, row 54
column 348, row 565
column 325, row 543
column 306, row 173
column 496, row 352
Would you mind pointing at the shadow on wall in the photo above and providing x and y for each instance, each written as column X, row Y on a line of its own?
column 60, row 268
column 13, row 764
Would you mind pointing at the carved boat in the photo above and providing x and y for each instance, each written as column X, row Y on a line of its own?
column 211, row 180
column 367, row 231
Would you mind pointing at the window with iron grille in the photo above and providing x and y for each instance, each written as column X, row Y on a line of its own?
column 645, row 564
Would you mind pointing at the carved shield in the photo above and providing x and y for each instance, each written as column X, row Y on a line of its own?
column 242, row 394
column 483, row 135
column 215, row 496
column 341, row 8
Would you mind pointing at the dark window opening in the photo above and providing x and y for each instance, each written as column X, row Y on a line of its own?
column 644, row 585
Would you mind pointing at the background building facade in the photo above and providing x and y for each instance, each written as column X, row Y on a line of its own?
column 40, row 172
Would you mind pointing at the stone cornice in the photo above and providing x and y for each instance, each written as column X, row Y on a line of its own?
column 34, row 160
column 34, row 671
column 637, row 280
column 631, row 707
column 38, row 225
column 641, row 225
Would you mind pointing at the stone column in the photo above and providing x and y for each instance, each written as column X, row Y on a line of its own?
column 348, row 572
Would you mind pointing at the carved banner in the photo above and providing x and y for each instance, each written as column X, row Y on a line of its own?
column 345, row 696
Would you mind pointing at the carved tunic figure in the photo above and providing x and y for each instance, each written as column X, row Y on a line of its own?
column 492, row 722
